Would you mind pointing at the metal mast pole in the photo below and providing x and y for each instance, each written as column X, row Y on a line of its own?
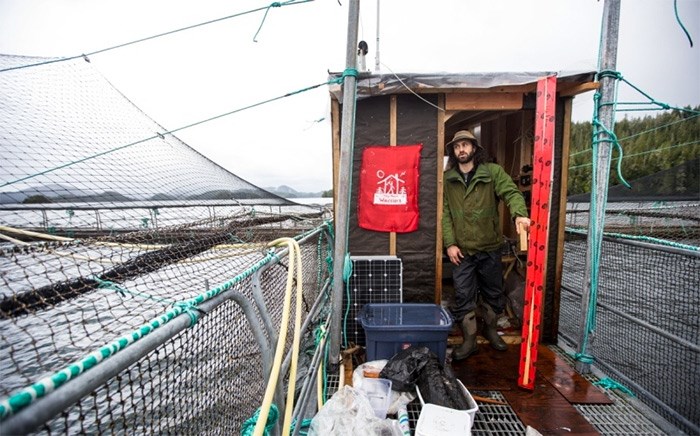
column 376, row 53
column 347, row 138
column 603, row 144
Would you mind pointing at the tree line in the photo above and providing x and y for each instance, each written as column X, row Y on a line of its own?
column 650, row 144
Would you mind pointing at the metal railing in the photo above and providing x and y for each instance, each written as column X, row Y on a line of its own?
column 646, row 322
column 202, row 370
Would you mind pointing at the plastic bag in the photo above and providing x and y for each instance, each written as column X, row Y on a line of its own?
column 373, row 369
column 405, row 367
column 370, row 369
column 349, row 413
column 438, row 385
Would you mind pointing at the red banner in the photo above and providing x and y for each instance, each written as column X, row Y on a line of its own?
column 388, row 200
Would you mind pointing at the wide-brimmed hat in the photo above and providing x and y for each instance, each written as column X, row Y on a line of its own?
column 464, row 134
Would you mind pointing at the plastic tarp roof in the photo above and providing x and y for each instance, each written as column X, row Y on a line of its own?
column 369, row 84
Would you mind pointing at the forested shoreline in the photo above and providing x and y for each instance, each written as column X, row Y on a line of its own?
column 650, row 144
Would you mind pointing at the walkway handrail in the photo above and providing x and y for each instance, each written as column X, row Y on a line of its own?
column 26, row 410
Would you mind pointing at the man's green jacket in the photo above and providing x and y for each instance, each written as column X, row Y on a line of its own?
column 470, row 213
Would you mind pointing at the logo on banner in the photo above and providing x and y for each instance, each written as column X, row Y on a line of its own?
column 391, row 189
column 388, row 197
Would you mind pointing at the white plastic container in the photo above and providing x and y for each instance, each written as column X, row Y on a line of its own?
column 378, row 392
column 437, row 420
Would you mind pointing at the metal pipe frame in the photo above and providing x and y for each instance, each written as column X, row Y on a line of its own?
column 655, row 329
column 307, row 387
column 45, row 408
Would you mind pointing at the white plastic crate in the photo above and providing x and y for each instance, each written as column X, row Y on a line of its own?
column 437, row 420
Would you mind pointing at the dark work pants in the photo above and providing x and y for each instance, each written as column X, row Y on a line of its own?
column 482, row 274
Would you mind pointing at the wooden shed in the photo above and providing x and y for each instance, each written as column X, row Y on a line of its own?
column 427, row 109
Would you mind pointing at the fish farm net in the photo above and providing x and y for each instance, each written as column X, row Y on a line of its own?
column 644, row 330
column 137, row 274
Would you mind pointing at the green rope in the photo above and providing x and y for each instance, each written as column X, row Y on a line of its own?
column 319, row 334
column 695, row 114
column 350, row 72
column 675, row 9
column 590, row 322
column 642, row 153
column 249, row 425
column 642, row 238
column 22, row 398
column 85, row 55
column 107, row 284
column 190, row 309
column 347, row 273
column 272, row 5
column 651, row 100
column 186, row 306
column 599, row 128
column 608, row 383
column 161, row 135
column 305, row 424
column 583, row 357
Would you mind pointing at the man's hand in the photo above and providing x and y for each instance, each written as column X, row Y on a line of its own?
column 522, row 223
column 455, row 254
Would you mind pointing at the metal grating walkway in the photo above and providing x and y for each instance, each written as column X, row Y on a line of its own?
column 623, row 417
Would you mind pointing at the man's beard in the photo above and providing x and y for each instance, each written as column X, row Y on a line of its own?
column 466, row 158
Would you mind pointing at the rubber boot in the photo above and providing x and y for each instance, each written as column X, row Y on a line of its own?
column 468, row 347
column 490, row 331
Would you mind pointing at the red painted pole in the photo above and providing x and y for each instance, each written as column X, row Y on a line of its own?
column 543, row 159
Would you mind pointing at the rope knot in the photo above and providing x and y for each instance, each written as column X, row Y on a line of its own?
column 272, row 417
column 107, row 284
column 585, row 358
column 608, row 383
column 610, row 73
column 190, row 309
column 350, row 72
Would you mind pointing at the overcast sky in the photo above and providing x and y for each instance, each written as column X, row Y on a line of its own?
column 214, row 69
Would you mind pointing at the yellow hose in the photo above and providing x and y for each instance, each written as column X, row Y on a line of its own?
column 319, row 374
column 34, row 234
column 341, row 382
column 277, row 362
column 289, row 406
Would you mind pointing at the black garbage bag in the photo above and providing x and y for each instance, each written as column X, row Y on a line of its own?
column 404, row 368
column 438, row 385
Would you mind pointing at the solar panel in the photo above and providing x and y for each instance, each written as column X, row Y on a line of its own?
column 374, row 279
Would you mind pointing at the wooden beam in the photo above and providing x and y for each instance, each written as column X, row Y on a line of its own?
column 572, row 385
column 510, row 89
column 559, row 261
column 484, row 101
column 527, row 137
column 578, row 89
column 438, row 230
column 392, row 143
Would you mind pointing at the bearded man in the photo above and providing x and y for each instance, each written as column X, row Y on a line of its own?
column 472, row 237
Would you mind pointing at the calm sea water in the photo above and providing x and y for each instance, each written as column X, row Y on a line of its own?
column 322, row 201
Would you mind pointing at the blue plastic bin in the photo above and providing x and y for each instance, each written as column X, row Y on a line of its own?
column 392, row 327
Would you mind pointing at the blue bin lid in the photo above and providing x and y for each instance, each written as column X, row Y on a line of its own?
column 405, row 315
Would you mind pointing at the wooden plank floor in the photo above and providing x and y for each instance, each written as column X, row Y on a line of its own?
column 548, row 408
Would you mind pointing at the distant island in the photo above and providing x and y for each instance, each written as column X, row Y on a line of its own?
column 61, row 194
column 289, row 192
